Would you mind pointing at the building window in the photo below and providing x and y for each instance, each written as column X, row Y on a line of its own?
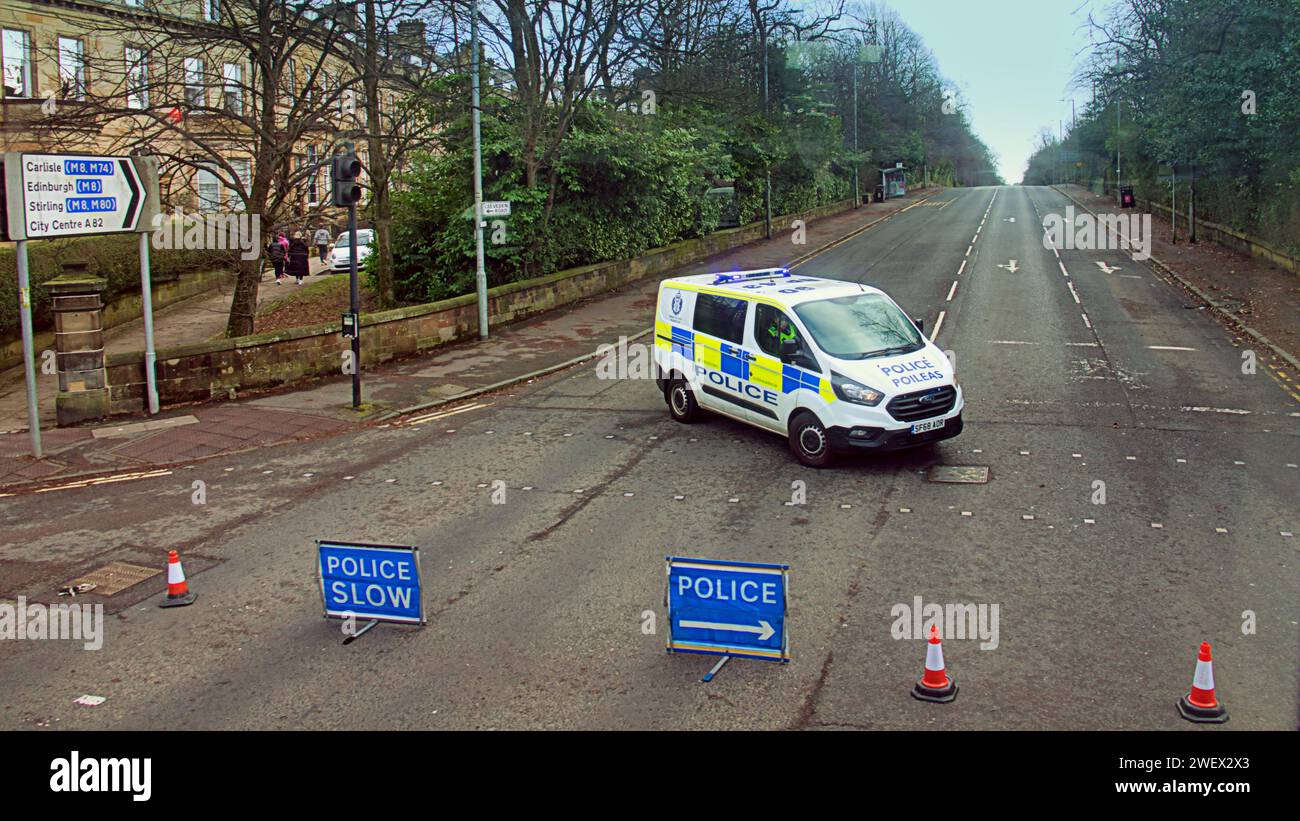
column 291, row 81
column 313, row 172
column 208, row 186
column 211, row 10
column 242, row 169
column 137, row 78
column 721, row 316
column 196, row 87
column 15, row 52
column 232, row 75
column 72, row 69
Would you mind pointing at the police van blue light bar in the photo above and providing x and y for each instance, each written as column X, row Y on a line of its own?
column 760, row 273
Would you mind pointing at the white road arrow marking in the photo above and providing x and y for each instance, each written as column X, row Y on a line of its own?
column 764, row 630
column 1009, row 219
column 1106, row 268
column 1012, row 267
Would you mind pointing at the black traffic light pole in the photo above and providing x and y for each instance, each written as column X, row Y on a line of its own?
column 344, row 171
column 355, row 306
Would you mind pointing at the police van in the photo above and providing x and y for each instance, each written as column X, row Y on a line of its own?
column 834, row 366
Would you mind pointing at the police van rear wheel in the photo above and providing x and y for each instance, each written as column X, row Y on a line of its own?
column 681, row 402
column 808, row 441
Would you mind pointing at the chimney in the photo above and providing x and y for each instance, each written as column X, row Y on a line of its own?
column 410, row 36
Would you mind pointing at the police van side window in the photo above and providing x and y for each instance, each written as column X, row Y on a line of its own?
column 721, row 316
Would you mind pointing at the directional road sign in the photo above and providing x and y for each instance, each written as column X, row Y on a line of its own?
column 64, row 195
column 496, row 208
column 727, row 608
column 369, row 581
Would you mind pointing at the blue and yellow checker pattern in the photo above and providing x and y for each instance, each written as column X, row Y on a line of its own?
column 678, row 340
column 766, row 371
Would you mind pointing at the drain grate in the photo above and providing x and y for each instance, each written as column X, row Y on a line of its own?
column 959, row 474
column 116, row 577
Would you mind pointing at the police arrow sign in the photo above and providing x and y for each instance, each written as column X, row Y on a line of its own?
column 63, row 195
column 727, row 608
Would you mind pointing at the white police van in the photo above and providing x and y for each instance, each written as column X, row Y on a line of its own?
column 835, row 366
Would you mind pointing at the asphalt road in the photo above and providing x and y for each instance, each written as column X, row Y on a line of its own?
column 1073, row 375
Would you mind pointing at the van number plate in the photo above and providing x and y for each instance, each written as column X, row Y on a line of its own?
column 933, row 424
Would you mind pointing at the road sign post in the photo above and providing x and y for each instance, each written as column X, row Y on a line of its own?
column 29, row 362
column 369, row 582
column 51, row 196
column 727, row 609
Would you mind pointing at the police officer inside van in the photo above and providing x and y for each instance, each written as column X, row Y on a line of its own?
column 779, row 330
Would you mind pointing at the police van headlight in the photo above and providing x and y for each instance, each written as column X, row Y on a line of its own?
column 855, row 392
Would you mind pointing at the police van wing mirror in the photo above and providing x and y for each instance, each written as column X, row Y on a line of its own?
column 789, row 348
column 919, row 323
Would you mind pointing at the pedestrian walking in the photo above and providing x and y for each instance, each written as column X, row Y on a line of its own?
column 299, row 257
column 276, row 253
column 322, row 242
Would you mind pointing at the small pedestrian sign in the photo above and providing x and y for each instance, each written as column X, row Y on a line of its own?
column 726, row 608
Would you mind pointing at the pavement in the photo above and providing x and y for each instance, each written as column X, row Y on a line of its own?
column 534, row 347
column 1142, row 498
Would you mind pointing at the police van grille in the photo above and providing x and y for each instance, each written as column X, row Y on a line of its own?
column 909, row 407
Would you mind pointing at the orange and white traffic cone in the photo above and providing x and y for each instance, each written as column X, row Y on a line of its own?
column 1200, row 705
column 178, row 590
column 936, row 685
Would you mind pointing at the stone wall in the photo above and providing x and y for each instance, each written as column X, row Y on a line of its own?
column 221, row 368
column 1229, row 237
column 126, row 308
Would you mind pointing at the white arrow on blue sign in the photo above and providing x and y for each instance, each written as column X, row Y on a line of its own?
column 726, row 608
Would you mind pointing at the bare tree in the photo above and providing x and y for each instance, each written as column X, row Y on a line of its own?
column 248, row 92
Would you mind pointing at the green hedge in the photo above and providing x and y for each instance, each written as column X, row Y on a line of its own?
column 114, row 257
column 626, row 183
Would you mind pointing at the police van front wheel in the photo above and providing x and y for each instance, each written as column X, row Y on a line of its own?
column 808, row 441
column 681, row 402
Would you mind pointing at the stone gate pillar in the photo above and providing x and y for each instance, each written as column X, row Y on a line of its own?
column 78, row 308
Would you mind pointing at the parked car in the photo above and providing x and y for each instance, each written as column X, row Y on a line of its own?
column 340, row 258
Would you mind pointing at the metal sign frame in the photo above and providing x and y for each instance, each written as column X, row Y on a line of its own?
column 726, row 650
column 341, row 614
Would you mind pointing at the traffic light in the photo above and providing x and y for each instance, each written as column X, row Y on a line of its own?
column 343, row 176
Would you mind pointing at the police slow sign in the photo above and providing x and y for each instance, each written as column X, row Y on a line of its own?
column 727, row 608
column 367, row 581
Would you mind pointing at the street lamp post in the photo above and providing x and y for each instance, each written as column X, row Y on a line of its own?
column 767, row 177
column 857, row 191
column 1119, row 197
column 480, row 270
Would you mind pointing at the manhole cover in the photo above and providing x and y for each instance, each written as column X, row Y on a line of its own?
column 116, row 577
column 961, row 474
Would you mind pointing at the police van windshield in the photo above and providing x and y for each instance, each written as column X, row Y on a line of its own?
column 860, row 326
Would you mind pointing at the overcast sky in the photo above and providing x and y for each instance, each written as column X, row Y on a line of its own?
column 1011, row 61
